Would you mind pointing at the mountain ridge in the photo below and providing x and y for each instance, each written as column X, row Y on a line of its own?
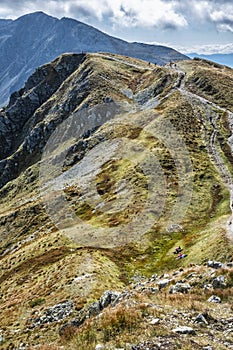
column 57, row 271
column 37, row 38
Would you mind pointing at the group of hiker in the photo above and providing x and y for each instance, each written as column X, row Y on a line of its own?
column 179, row 253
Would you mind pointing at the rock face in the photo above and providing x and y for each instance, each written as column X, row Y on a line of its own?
column 20, row 123
column 55, row 313
column 38, row 89
column 37, row 38
column 108, row 298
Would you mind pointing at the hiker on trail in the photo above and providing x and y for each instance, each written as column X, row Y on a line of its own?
column 181, row 256
column 177, row 250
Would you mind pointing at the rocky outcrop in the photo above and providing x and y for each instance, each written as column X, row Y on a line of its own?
column 148, row 287
column 55, row 313
column 108, row 298
column 24, row 103
column 30, row 118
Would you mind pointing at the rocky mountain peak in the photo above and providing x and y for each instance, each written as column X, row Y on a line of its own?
column 37, row 38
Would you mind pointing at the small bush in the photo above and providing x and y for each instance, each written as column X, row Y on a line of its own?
column 37, row 302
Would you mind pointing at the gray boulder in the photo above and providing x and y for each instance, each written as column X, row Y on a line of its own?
column 215, row 264
column 214, row 299
column 55, row 313
column 99, row 347
column 107, row 298
column 200, row 319
column 180, row 288
column 94, row 309
column 219, row 282
column 184, row 330
column 163, row 283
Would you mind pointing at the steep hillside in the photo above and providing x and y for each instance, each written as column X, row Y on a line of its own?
column 108, row 163
column 36, row 38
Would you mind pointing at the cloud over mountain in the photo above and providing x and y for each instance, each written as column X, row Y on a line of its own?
column 147, row 13
column 159, row 13
column 218, row 12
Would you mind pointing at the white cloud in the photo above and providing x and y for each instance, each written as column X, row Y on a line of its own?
column 149, row 13
column 225, row 28
column 144, row 13
column 199, row 49
column 131, row 13
column 218, row 12
column 206, row 49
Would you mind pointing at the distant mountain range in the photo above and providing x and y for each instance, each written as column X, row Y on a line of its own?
column 225, row 59
column 36, row 38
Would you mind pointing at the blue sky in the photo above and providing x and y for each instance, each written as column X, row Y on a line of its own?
column 203, row 26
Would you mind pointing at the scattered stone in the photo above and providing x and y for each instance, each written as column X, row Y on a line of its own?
column 151, row 290
column 219, row 282
column 161, row 343
column 200, row 319
column 107, row 298
column 163, row 283
column 83, row 277
column 175, row 228
column 138, row 285
column 153, row 277
column 214, row 299
column 99, row 347
column 23, row 346
column 55, row 313
column 180, row 288
column 184, row 330
column 155, row 321
column 215, row 264
column 207, row 286
column 94, row 309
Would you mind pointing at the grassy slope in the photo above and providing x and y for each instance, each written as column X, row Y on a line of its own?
column 44, row 268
